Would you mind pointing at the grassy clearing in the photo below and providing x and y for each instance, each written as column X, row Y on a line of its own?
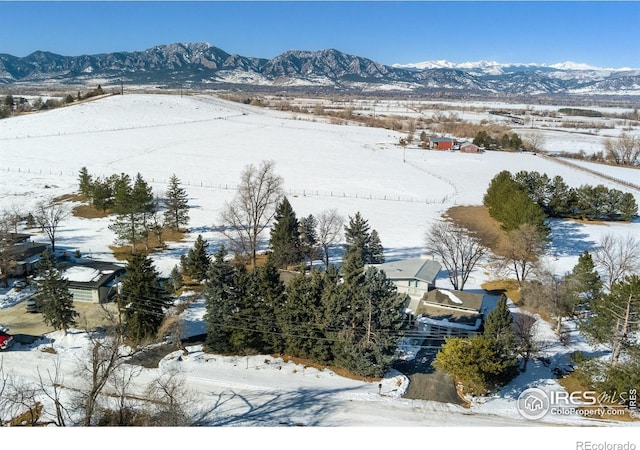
column 85, row 210
column 477, row 220
column 71, row 198
column 510, row 288
column 123, row 252
column 89, row 212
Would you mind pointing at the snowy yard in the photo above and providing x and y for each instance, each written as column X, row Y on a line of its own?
column 206, row 142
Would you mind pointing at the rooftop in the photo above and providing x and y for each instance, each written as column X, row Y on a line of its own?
column 459, row 300
column 422, row 269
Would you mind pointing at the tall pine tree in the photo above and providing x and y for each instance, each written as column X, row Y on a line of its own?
column 176, row 203
column 376, row 251
column 133, row 205
column 221, row 302
column 85, row 182
column 142, row 299
column 358, row 236
column 584, row 282
column 300, row 318
column 197, row 262
column 52, row 295
column 285, row 237
column 308, row 238
column 499, row 327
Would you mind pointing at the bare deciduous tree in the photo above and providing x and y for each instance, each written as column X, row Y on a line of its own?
column 521, row 251
column 49, row 214
column 550, row 294
column 105, row 355
column 120, row 382
column 329, row 228
column 20, row 402
column 617, row 257
column 533, row 142
column 253, row 208
column 10, row 218
column 458, row 250
column 170, row 394
column 52, row 388
column 624, row 150
column 527, row 343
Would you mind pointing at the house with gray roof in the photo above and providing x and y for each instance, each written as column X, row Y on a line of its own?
column 414, row 277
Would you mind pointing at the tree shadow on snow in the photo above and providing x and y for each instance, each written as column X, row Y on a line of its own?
column 568, row 239
column 303, row 407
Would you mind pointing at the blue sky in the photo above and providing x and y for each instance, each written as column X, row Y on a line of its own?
column 603, row 34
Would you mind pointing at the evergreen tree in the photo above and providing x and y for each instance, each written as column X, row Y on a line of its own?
column 134, row 206
column 376, row 251
column 221, row 302
column 358, row 237
column 300, row 318
column 628, row 207
column 372, row 317
column 561, row 198
column 85, row 183
column 197, row 261
column 510, row 205
column 247, row 338
column 176, row 203
column 476, row 362
column 52, row 295
column 142, row 299
column 176, row 278
column 270, row 299
column 308, row 238
column 383, row 321
column 285, row 237
column 499, row 327
column 584, row 282
column 102, row 194
column 614, row 319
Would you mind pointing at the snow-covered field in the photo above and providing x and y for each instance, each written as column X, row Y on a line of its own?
column 207, row 142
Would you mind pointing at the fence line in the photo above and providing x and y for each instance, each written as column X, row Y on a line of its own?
column 289, row 192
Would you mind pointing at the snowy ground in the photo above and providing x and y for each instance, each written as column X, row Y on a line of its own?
column 207, row 142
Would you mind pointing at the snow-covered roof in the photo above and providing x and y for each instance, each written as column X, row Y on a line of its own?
column 81, row 274
column 92, row 274
column 468, row 301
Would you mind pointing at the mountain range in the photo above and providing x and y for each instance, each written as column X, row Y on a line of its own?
column 201, row 65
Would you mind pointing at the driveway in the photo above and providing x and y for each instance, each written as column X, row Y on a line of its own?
column 19, row 322
column 426, row 383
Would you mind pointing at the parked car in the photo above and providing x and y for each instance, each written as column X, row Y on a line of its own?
column 31, row 306
column 20, row 285
column 6, row 340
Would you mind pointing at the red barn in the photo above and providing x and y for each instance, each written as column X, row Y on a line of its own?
column 442, row 143
column 469, row 148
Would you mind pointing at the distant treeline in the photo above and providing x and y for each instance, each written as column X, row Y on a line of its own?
column 552, row 197
column 580, row 112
